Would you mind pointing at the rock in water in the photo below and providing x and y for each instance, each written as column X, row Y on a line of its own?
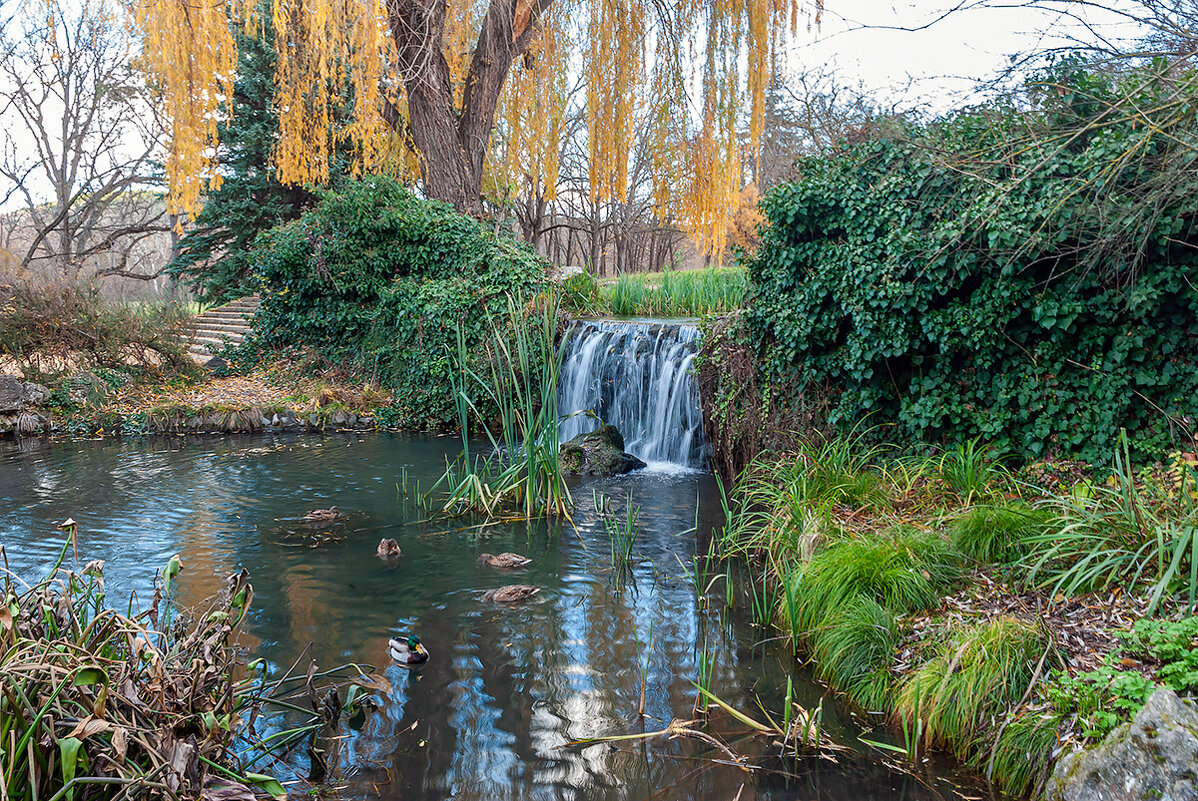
column 598, row 453
column 1153, row 757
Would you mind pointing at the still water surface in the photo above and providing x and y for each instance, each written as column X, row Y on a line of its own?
column 506, row 686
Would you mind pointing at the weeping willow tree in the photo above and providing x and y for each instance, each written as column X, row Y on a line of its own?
column 435, row 82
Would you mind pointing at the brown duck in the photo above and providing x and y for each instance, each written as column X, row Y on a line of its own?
column 329, row 515
column 505, row 561
column 511, row 594
column 388, row 550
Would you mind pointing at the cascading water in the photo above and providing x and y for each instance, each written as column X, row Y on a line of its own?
column 636, row 376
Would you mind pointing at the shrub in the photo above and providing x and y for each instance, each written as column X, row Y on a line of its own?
column 52, row 328
column 995, row 274
column 377, row 280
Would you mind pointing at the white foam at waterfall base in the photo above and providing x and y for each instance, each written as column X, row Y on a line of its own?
column 638, row 377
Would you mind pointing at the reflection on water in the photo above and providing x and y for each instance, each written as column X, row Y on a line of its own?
column 506, row 686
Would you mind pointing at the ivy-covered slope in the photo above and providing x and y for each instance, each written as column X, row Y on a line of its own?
column 1026, row 276
column 377, row 279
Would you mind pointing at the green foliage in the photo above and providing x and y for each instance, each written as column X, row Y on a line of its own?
column 996, row 534
column 1131, row 532
column 903, row 571
column 968, row 471
column 1110, row 695
column 521, row 475
column 214, row 255
column 1101, row 698
column 854, row 644
column 1173, row 645
column 975, row 675
column 1019, row 273
column 673, row 293
column 379, row 280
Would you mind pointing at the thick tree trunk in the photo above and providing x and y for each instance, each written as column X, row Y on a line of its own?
column 453, row 146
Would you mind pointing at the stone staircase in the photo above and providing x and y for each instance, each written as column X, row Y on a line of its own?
column 220, row 325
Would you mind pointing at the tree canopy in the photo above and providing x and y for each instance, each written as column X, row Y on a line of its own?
column 451, row 93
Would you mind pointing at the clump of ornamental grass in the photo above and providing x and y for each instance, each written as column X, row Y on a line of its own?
column 785, row 505
column 998, row 534
column 974, row 676
column 1131, row 532
column 854, row 643
column 902, row 570
column 969, row 470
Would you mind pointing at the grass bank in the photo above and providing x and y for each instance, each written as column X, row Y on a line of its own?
column 673, row 293
column 998, row 614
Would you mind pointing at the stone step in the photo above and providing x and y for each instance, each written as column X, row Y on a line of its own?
column 217, row 336
column 200, row 324
column 220, row 314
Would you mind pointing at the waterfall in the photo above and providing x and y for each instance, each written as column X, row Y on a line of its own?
column 636, row 376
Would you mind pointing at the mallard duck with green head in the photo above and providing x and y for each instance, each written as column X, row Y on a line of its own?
column 411, row 652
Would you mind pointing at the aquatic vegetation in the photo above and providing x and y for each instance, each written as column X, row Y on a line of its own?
column 997, row 534
column 975, row 675
column 521, row 475
column 95, row 702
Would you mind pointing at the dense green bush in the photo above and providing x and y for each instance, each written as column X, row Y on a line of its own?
column 1022, row 273
column 379, row 280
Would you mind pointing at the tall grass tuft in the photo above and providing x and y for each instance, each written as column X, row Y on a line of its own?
column 998, row 534
column 975, row 676
column 902, row 571
column 521, row 474
column 968, row 470
column 856, row 642
column 1128, row 532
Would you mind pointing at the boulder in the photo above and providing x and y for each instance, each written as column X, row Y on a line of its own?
column 1155, row 756
column 17, row 395
column 598, row 453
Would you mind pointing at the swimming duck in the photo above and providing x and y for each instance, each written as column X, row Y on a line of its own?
column 411, row 652
column 322, row 515
column 511, row 594
column 503, row 560
column 388, row 550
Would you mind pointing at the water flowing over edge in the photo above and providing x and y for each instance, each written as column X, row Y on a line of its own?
column 636, row 376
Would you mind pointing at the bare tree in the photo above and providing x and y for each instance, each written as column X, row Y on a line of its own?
column 79, row 137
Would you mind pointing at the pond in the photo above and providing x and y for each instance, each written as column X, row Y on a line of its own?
column 506, row 687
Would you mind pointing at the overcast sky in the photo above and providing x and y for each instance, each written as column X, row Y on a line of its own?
column 938, row 66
